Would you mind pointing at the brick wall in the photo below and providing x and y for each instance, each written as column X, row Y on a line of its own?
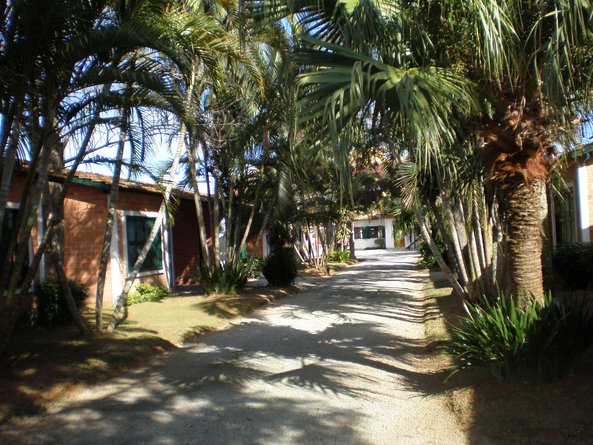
column 186, row 242
column 85, row 216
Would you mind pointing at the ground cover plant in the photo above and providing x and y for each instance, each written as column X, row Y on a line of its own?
column 147, row 292
column 540, row 343
column 498, row 411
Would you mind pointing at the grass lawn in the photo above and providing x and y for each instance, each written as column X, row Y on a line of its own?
column 45, row 365
column 496, row 412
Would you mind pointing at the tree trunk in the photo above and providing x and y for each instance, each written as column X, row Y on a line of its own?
column 256, row 201
column 205, row 253
column 57, row 259
column 11, row 133
column 438, row 257
column 525, row 209
column 111, row 216
column 169, row 184
column 351, row 244
column 56, row 213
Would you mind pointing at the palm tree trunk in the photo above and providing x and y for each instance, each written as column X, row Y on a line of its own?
column 256, row 201
column 205, row 253
column 215, row 223
column 229, row 226
column 8, row 163
column 525, row 211
column 11, row 131
column 446, row 237
column 9, row 308
column 170, row 182
column 437, row 255
column 465, row 279
column 57, row 260
column 351, row 241
column 57, row 212
column 111, row 216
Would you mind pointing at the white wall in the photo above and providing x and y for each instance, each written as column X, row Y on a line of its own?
column 387, row 223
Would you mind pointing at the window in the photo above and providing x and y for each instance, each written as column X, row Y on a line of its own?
column 369, row 232
column 5, row 237
column 137, row 231
column 565, row 216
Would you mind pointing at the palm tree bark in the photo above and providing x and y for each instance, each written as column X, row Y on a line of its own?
column 525, row 211
column 205, row 253
column 437, row 255
column 57, row 259
column 111, row 216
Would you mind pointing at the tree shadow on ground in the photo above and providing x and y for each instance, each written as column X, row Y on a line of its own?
column 246, row 384
column 29, row 360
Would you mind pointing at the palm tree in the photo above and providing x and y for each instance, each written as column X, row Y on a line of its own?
column 238, row 143
column 201, row 45
column 62, row 67
column 505, row 78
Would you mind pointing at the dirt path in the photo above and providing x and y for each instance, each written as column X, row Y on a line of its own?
column 343, row 363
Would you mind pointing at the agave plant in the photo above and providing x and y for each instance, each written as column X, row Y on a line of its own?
column 226, row 279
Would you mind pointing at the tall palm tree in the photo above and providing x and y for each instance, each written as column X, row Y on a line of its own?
column 236, row 147
column 508, row 74
column 62, row 66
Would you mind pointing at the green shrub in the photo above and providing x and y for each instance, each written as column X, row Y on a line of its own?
column 256, row 266
column 539, row 344
column 573, row 263
column 280, row 268
column 428, row 261
column 146, row 292
column 226, row 279
column 50, row 307
column 380, row 243
column 339, row 256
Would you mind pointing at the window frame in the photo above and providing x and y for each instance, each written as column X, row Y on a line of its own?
column 569, row 214
column 360, row 232
column 127, row 266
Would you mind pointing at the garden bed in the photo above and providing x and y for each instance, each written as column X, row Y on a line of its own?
column 496, row 412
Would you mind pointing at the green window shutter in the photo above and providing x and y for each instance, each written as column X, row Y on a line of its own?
column 137, row 231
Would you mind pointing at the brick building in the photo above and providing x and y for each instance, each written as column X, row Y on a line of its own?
column 571, row 211
column 172, row 259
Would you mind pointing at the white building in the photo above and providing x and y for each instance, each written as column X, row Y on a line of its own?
column 374, row 232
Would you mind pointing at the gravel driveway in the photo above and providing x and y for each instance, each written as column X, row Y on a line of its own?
column 341, row 363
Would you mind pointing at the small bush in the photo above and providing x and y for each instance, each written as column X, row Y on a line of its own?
column 428, row 261
column 226, row 279
column 339, row 256
column 380, row 243
column 255, row 269
column 146, row 292
column 280, row 268
column 573, row 263
column 50, row 307
column 539, row 344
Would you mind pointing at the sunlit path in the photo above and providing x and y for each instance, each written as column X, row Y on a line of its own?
column 343, row 363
